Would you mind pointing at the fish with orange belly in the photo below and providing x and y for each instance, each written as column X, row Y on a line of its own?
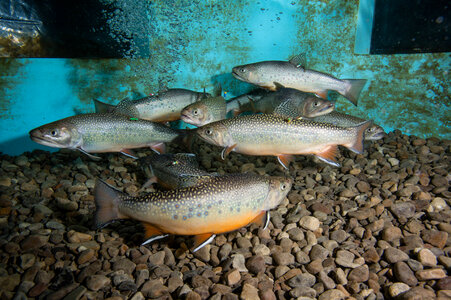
column 222, row 204
column 268, row 134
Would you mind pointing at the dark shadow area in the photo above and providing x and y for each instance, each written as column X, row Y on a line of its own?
column 71, row 29
column 406, row 26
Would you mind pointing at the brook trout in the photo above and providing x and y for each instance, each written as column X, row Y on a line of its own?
column 205, row 111
column 163, row 107
column 267, row 134
column 374, row 132
column 220, row 205
column 173, row 171
column 267, row 74
column 96, row 133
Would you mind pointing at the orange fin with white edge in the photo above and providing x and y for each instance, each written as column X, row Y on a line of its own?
column 149, row 182
column 322, row 94
column 227, row 150
column 152, row 233
column 201, row 240
column 285, row 159
column 357, row 146
column 329, row 155
column 129, row 153
column 160, row 148
column 262, row 219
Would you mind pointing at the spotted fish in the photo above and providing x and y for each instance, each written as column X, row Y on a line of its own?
column 292, row 74
column 267, row 134
column 374, row 132
column 243, row 102
column 205, row 111
column 96, row 133
column 220, row 205
column 174, row 171
column 164, row 107
column 293, row 103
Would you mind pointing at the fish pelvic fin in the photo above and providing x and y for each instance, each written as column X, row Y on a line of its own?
column 357, row 146
column 262, row 219
column 227, row 150
column 129, row 153
column 159, row 148
column 355, row 87
column 285, row 159
column 107, row 199
column 328, row 155
column 93, row 157
column 322, row 94
column 201, row 240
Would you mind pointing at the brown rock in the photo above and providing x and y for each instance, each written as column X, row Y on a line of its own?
column 267, row 295
column 256, row 264
column 371, row 255
column 359, row 274
column 430, row 274
column 404, row 274
column 154, row 289
column 391, row 233
column 417, row 293
column 249, row 292
column 233, row 277
column 444, row 283
column 435, row 238
column 85, row 256
column 283, row 258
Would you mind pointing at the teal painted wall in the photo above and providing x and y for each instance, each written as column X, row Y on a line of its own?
column 195, row 44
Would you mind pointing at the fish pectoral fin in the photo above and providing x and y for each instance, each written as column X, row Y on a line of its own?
column 202, row 240
column 227, row 150
column 285, row 159
column 329, row 155
column 322, row 94
column 89, row 154
column 152, row 233
column 235, row 112
column 129, row 153
column 262, row 219
column 158, row 148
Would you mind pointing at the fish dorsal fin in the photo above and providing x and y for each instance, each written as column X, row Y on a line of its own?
column 217, row 90
column 187, row 157
column 285, row 159
column 227, row 150
column 102, row 107
column 299, row 60
column 129, row 153
column 287, row 109
column 152, row 233
column 329, row 155
column 278, row 85
column 262, row 219
column 201, row 240
column 89, row 154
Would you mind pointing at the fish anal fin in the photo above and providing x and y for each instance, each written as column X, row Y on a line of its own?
column 285, row 159
column 160, row 148
column 321, row 94
column 129, row 153
column 227, row 150
column 151, row 230
column 201, row 240
column 329, row 154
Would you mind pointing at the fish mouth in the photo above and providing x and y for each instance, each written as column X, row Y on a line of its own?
column 44, row 141
column 377, row 136
column 237, row 76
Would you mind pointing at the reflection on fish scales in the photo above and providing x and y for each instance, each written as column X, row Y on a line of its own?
column 222, row 204
column 274, row 135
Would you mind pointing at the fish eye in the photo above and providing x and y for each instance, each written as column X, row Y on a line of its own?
column 208, row 131
column 242, row 70
column 54, row 132
column 283, row 186
column 195, row 112
column 316, row 103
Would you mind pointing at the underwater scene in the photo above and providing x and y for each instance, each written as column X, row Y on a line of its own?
column 210, row 149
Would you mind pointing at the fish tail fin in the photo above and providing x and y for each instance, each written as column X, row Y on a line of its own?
column 106, row 199
column 357, row 145
column 102, row 107
column 354, row 89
